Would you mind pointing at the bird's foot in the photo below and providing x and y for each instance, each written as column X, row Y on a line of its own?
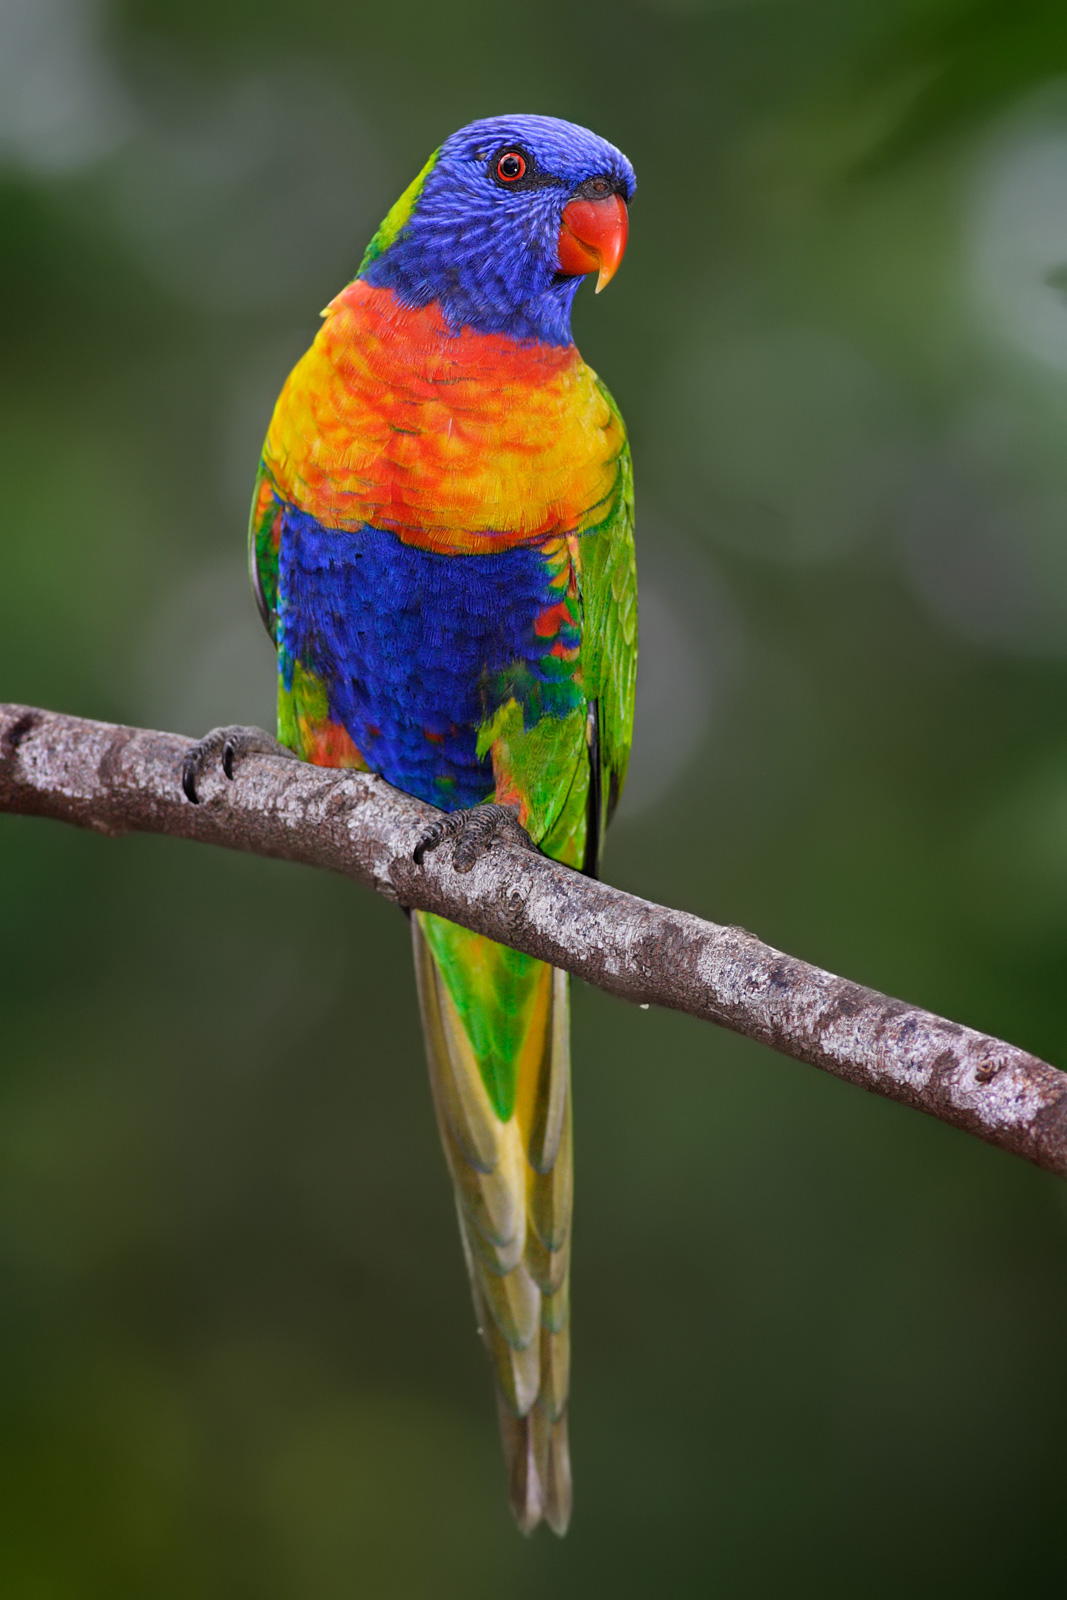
column 226, row 745
column 474, row 830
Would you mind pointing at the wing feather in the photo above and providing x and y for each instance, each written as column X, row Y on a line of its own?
column 609, row 632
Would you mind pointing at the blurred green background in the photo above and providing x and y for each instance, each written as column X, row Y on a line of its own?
column 819, row 1340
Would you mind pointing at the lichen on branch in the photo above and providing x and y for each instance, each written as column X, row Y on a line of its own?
column 119, row 780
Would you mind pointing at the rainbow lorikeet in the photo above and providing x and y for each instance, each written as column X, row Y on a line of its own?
column 442, row 549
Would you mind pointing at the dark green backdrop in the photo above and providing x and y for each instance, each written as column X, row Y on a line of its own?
column 819, row 1341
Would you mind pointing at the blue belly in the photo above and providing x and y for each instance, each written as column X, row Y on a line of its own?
column 416, row 649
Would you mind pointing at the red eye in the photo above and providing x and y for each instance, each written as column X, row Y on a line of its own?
column 511, row 167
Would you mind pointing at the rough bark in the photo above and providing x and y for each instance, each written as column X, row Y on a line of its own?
column 122, row 780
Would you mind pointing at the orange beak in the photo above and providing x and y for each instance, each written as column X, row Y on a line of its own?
column 593, row 238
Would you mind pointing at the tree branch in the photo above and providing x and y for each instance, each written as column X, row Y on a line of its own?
column 127, row 780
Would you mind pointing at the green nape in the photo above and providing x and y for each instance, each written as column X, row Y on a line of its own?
column 396, row 217
column 495, row 991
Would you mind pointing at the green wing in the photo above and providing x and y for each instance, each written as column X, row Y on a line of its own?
column 609, row 644
column 568, row 765
column 264, row 531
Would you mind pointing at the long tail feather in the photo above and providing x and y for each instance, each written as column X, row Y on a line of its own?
column 510, row 1156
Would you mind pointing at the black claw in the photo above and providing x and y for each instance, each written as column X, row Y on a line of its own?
column 189, row 779
column 428, row 842
column 227, row 744
column 474, row 831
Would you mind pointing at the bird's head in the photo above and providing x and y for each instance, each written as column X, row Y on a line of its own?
column 502, row 224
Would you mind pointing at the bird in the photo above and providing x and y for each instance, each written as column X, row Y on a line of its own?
column 441, row 548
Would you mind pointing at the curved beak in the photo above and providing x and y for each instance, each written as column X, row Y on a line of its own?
column 593, row 237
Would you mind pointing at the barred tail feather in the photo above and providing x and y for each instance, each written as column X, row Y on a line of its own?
column 513, row 1181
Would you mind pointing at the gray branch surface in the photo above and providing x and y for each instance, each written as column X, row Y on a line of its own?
column 120, row 780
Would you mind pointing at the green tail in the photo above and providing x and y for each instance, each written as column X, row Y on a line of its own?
column 497, row 1030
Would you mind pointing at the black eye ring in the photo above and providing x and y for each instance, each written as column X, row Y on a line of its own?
column 511, row 166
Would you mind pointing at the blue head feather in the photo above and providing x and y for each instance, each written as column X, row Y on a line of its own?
column 487, row 251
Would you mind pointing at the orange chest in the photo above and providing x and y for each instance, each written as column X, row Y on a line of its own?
column 454, row 441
